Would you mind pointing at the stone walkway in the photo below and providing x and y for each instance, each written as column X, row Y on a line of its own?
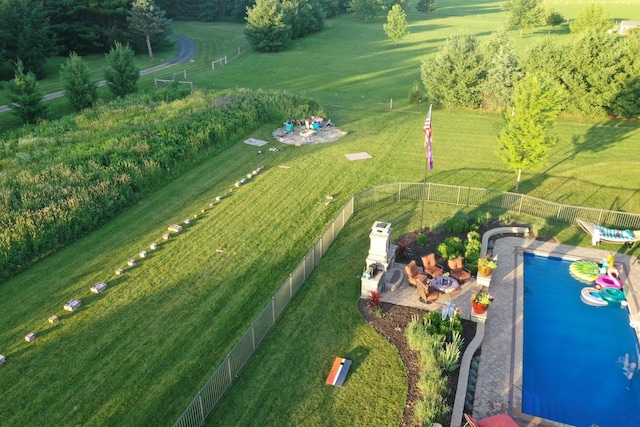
column 499, row 382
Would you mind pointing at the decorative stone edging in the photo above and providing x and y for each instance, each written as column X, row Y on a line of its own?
column 465, row 363
column 501, row 230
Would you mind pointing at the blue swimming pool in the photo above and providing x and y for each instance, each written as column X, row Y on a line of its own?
column 574, row 354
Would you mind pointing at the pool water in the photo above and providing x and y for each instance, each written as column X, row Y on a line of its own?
column 574, row 354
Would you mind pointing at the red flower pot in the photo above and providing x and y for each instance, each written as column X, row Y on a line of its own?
column 478, row 308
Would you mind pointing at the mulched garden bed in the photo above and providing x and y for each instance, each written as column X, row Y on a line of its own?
column 393, row 323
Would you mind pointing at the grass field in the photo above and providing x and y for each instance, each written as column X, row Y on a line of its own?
column 138, row 353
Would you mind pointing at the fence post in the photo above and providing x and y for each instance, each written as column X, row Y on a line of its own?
column 291, row 278
column 201, row 406
column 391, row 104
column 273, row 309
column 520, row 207
column 229, row 369
column 253, row 337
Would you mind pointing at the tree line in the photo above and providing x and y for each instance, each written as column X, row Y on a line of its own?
column 33, row 31
column 594, row 74
column 64, row 178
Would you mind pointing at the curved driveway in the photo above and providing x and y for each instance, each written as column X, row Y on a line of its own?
column 186, row 50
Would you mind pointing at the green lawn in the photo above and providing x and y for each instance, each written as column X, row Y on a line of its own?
column 138, row 353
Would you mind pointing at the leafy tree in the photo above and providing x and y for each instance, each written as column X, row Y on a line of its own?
column 593, row 17
column 427, row 6
column 146, row 17
column 523, row 14
column 525, row 140
column 453, row 76
column 25, row 96
column 122, row 75
column 26, row 34
column 79, row 89
column 367, row 8
column 396, row 26
column 266, row 29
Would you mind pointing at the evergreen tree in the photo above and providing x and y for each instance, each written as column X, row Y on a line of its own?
column 453, row 75
column 525, row 140
column 25, row 34
column 25, row 96
column 627, row 101
column 79, row 89
column 88, row 27
column 367, row 8
column 503, row 71
column 266, row 29
column 146, row 17
column 593, row 18
column 427, row 6
column 593, row 72
column 524, row 14
column 396, row 26
column 122, row 75
column 303, row 17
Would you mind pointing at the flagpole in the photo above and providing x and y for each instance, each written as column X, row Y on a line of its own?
column 428, row 135
column 424, row 187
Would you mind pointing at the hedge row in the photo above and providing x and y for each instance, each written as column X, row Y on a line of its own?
column 62, row 179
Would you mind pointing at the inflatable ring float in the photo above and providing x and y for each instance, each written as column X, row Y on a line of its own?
column 612, row 295
column 584, row 271
column 591, row 296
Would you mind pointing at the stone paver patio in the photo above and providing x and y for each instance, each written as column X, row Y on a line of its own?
column 499, row 382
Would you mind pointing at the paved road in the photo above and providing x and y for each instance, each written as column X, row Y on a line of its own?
column 186, row 50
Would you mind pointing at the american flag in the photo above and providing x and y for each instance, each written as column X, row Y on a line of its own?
column 428, row 137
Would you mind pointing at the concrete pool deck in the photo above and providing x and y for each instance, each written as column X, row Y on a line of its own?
column 499, row 381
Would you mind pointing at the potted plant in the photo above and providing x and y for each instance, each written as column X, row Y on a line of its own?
column 486, row 266
column 480, row 301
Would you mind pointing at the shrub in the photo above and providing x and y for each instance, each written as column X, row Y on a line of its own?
column 422, row 240
column 415, row 94
column 540, row 227
column 417, row 335
column 483, row 218
column 507, row 218
column 554, row 18
column 452, row 247
column 434, row 325
column 458, row 224
column 430, row 411
column 449, row 356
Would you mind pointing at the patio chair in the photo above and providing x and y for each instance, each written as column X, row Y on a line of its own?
column 427, row 293
column 501, row 420
column 430, row 266
column 413, row 274
column 457, row 270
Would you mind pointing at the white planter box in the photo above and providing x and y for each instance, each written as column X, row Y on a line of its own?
column 73, row 305
column 98, row 287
